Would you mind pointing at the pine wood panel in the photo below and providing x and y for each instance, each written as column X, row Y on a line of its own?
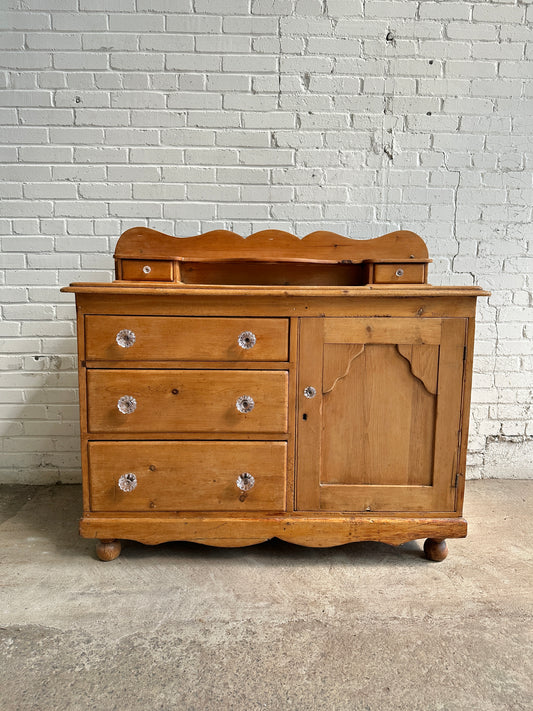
column 268, row 273
column 82, row 385
column 380, row 499
column 178, row 291
column 215, row 303
column 382, row 330
column 309, row 531
column 379, row 416
column 139, row 242
column 177, row 338
column 188, row 476
column 309, row 415
column 174, row 435
column 449, row 401
column 424, row 362
column 465, row 411
column 189, row 364
column 377, row 421
column 337, row 361
column 187, row 400
column 264, row 514
column 267, row 306
column 292, row 412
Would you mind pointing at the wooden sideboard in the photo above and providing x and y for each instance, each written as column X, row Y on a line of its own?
column 234, row 390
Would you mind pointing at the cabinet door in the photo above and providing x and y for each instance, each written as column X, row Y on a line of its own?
column 382, row 431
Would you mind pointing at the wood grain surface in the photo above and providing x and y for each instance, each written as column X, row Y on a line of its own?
column 139, row 242
column 177, row 338
column 188, row 476
column 187, row 401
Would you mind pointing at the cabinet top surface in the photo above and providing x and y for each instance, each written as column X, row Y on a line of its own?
column 369, row 291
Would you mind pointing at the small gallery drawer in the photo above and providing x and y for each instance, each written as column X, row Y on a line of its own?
column 187, row 401
column 145, row 338
column 399, row 273
column 146, row 270
column 187, row 476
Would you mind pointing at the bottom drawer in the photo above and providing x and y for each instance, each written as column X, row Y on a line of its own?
column 187, row 476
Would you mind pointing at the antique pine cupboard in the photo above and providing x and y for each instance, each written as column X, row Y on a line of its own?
column 233, row 390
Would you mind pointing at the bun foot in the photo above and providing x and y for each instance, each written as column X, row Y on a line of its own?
column 108, row 549
column 436, row 549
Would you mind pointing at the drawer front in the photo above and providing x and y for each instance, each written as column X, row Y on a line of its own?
column 147, row 270
column 185, row 338
column 187, row 476
column 399, row 273
column 187, row 401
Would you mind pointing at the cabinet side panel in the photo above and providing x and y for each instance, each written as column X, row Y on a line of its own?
column 450, row 395
column 465, row 414
column 82, row 387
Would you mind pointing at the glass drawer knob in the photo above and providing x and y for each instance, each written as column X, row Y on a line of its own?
column 245, row 403
column 245, row 481
column 399, row 272
column 127, row 482
column 247, row 340
column 125, row 338
column 127, row 404
column 309, row 391
column 147, row 269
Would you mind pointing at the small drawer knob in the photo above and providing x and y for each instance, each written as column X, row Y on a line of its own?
column 147, row 269
column 245, row 481
column 399, row 272
column 125, row 338
column 309, row 391
column 247, row 340
column 245, row 403
column 127, row 482
column 127, row 404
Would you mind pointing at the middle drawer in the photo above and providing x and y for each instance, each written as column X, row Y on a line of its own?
column 187, row 401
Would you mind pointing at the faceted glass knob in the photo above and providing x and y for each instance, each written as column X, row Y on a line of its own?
column 125, row 338
column 147, row 269
column 309, row 391
column 247, row 340
column 399, row 272
column 127, row 404
column 245, row 481
column 245, row 403
column 127, row 482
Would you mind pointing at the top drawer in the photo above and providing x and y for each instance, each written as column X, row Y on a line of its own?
column 152, row 338
column 399, row 273
column 146, row 270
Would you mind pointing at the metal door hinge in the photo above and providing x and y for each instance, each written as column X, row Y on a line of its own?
column 456, row 480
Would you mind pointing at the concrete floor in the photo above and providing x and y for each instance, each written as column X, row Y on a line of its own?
column 180, row 626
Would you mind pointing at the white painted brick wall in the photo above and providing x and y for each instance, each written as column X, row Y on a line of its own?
column 359, row 116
